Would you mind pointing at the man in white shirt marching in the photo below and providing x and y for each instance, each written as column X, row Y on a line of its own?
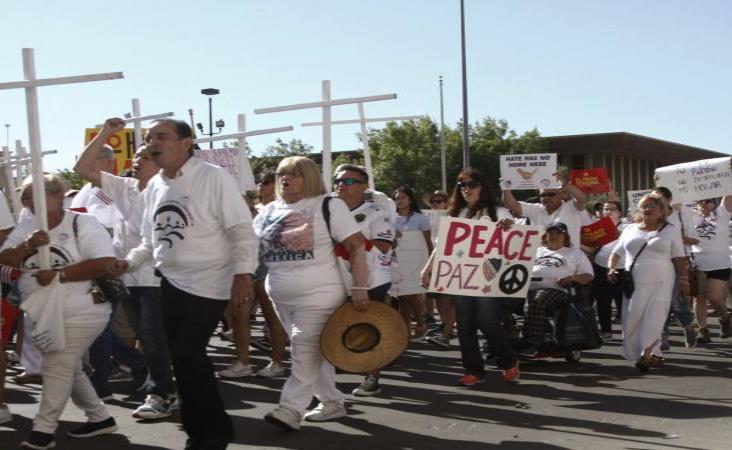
column 378, row 231
column 143, row 309
column 198, row 231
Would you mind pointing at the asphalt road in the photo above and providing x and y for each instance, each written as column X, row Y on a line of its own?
column 600, row 403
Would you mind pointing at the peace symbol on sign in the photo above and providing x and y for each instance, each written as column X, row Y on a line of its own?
column 513, row 279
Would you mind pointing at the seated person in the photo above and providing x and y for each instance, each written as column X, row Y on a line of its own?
column 557, row 266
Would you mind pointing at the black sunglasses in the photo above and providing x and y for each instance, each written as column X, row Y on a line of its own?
column 347, row 181
column 472, row 184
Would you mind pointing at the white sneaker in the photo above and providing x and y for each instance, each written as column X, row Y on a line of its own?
column 272, row 370
column 326, row 411
column 284, row 417
column 154, row 407
column 5, row 415
column 237, row 370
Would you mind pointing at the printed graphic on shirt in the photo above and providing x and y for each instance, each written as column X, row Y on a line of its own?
column 549, row 261
column 289, row 237
column 707, row 228
column 171, row 220
column 60, row 257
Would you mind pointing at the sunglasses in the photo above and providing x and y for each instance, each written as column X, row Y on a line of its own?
column 264, row 182
column 347, row 181
column 472, row 184
column 548, row 194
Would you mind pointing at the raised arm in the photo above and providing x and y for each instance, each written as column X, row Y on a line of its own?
column 510, row 202
column 579, row 198
column 85, row 166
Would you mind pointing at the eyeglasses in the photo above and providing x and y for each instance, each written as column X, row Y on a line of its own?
column 347, row 181
column 264, row 182
column 472, row 184
column 548, row 194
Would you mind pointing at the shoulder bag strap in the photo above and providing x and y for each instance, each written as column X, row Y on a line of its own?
column 643, row 248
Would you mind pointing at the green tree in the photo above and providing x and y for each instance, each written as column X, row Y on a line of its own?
column 277, row 152
column 72, row 179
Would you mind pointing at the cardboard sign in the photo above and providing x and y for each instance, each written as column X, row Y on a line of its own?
column 123, row 143
column 591, row 180
column 635, row 196
column 478, row 259
column 227, row 158
column 529, row 171
column 599, row 233
column 698, row 180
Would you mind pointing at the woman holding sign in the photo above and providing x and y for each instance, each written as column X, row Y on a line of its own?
column 472, row 198
column 651, row 249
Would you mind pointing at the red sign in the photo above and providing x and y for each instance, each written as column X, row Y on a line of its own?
column 599, row 233
column 8, row 315
column 591, row 180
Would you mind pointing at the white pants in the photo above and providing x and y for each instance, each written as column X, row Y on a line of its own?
column 311, row 374
column 30, row 358
column 644, row 315
column 63, row 377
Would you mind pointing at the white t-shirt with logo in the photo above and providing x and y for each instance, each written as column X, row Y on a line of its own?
column 712, row 251
column 131, row 205
column 93, row 242
column 376, row 225
column 551, row 265
column 97, row 204
column 299, row 252
column 186, row 220
column 567, row 214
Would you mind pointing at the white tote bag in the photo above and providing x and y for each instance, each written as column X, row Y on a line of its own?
column 45, row 307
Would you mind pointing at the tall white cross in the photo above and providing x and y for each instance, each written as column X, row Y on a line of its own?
column 17, row 162
column 10, row 181
column 364, row 134
column 326, row 105
column 136, row 120
column 34, row 133
column 246, row 182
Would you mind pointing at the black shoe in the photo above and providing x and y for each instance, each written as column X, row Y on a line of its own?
column 90, row 429
column 39, row 441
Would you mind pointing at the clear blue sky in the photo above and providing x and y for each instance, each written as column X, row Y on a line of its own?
column 660, row 68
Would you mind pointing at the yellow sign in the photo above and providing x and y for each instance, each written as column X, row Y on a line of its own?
column 123, row 143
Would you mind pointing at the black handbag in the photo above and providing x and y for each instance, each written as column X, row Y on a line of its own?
column 576, row 326
column 108, row 288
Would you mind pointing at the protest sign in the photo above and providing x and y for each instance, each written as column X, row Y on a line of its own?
column 123, row 143
column 227, row 158
column 591, row 180
column 697, row 180
column 479, row 259
column 635, row 196
column 599, row 233
column 529, row 171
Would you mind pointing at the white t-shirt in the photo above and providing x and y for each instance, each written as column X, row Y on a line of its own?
column 6, row 218
column 712, row 251
column 551, row 265
column 98, row 204
column 501, row 213
column 93, row 242
column 567, row 213
column 299, row 252
column 375, row 224
column 603, row 253
column 654, row 264
column 186, row 221
column 131, row 205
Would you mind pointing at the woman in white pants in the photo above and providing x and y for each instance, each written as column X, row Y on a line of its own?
column 297, row 244
column 645, row 311
column 74, row 261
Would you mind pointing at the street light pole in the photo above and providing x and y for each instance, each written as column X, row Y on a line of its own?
column 7, row 135
column 442, row 140
column 466, row 122
column 210, row 92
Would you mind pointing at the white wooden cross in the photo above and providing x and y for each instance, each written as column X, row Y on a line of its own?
column 10, row 182
column 326, row 105
column 364, row 134
column 246, row 181
column 30, row 84
column 136, row 119
column 17, row 162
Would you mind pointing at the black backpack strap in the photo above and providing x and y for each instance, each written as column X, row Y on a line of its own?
column 75, row 225
column 326, row 215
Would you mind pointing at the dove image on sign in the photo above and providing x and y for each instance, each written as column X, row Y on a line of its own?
column 479, row 259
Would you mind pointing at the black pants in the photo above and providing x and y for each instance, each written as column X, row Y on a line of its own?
column 605, row 293
column 189, row 321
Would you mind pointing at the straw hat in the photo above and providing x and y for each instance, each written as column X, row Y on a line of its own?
column 362, row 341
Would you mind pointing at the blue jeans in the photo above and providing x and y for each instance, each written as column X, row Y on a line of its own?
column 679, row 309
column 104, row 347
column 144, row 311
column 484, row 314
